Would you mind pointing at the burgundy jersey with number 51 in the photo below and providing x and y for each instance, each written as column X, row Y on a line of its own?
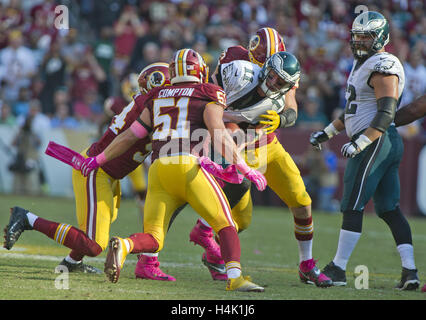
column 177, row 117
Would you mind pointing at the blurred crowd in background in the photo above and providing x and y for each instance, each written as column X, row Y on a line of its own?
column 66, row 75
column 61, row 77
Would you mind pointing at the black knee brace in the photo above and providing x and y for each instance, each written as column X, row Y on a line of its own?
column 352, row 221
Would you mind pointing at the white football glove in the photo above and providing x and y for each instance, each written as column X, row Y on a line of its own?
column 351, row 149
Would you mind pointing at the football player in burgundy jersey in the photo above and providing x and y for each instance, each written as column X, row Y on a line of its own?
column 263, row 44
column 178, row 116
column 97, row 196
column 281, row 172
column 112, row 107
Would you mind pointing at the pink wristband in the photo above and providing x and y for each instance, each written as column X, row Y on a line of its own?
column 138, row 130
column 243, row 167
column 100, row 158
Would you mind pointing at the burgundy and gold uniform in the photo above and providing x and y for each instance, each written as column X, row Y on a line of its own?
column 280, row 170
column 98, row 196
column 177, row 114
column 177, row 123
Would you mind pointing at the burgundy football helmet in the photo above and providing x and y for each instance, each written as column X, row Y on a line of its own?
column 264, row 44
column 187, row 65
column 154, row 75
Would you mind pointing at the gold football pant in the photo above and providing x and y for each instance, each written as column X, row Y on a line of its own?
column 97, row 199
column 242, row 212
column 137, row 179
column 281, row 172
column 174, row 181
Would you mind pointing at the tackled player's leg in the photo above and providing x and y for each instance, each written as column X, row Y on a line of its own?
column 285, row 180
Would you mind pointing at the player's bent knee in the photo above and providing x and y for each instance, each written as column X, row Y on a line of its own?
column 94, row 249
column 242, row 219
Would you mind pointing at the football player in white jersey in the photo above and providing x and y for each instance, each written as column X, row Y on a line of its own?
column 374, row 89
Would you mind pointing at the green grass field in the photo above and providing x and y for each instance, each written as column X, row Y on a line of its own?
column 269, row 256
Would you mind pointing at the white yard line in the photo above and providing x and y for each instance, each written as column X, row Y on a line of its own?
column 13, row 255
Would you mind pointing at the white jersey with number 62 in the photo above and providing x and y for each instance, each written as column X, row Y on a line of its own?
column 361, row 103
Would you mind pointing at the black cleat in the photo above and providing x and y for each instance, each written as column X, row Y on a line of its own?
column 80, row 267
column 336, row 274
column 409, row 280
column 18, row 223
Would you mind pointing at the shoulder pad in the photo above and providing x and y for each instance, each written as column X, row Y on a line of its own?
column 233, row 53
column 385, row 63
column 214, row 93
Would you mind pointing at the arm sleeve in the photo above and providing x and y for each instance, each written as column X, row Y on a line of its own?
column 386, row 108
column 288, row 118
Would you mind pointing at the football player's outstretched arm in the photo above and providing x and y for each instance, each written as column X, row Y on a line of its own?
column 328, row 132
column 120, row 144
column 411, row 112
column 138, row 130
column 225, row 145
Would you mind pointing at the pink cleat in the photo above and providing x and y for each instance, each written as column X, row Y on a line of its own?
column 149, row 268
column 310, row 274
column 216, row 267
column 424, row 288
column 203, row 236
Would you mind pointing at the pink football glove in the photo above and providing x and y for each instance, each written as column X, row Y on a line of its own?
column 88, row 165
column 64, row 154
column 230, row 174
column 253, row 175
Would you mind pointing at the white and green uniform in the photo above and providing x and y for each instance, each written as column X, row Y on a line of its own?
column 373, row 173
column 239, row 80
column 361, row 106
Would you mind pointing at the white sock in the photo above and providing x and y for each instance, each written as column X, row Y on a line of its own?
column 71, row 260
column 305, row 250
column 150, row 254
column 31, row 218
column 233, row 269
column 406, row 251
column 204, row 222
column 233, row 273
column 347, row 243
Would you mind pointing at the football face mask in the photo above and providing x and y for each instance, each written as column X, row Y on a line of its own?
column 280, row 73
